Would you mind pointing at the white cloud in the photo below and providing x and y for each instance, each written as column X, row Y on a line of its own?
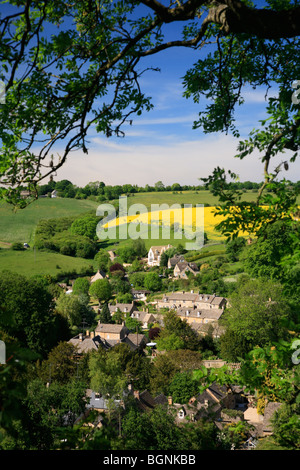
column 183, row 162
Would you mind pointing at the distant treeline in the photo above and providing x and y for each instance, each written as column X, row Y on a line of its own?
column 99, row 191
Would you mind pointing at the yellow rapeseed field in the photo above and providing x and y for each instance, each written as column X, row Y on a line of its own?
column 192, row 218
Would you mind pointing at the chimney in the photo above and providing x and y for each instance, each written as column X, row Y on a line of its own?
column 170, row 401
column 92, row 334
column 136, row 394
column 80, row 336
column 87, row 333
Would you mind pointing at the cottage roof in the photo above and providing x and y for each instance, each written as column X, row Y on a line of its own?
column 134, row 340
column 161, row 399
column 99, row 275
column 110, row 328
column 193, row 312
column 180, row 296
column 86, row 343
column 175, row 259
column 123, row 307
column 158, row 249
column 140, row 291
column 183, row 265
column 211, row 299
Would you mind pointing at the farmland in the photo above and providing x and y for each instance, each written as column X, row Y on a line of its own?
column 20, row 227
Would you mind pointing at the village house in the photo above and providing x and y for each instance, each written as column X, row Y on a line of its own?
column 191, row 299
column 212, row 328
column 97, row 402
column 155, row 253
column 195, row 315
column 107, row 336
column 174, row 260
column 124, row 308
column 112, row 334
column 99, row 275
column 177, row 299
column 140, row 294
column 86, row 342
column 182, row 269
column 145, row 318
column 210, row 403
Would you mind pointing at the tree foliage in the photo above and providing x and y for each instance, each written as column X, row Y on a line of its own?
column 27, row 312
column 101, row 290
column 255, row 317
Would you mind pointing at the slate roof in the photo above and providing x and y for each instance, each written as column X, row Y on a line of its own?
column 134, row 340
column 86, row 343
column 182, row 265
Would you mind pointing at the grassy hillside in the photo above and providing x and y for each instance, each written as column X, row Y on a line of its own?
column 19, row 226
column 32, row 262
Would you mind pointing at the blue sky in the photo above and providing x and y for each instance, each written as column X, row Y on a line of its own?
column 161, row 145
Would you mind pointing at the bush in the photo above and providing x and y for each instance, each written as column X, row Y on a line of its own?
column 17, row 246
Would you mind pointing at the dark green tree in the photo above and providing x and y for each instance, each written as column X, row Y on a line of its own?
column 256, row 317
column 183, row 387
column 27, row 311
column 81, row 286
column 101, row 290
column 152, row 281
column 85, row 226
column 105, row 315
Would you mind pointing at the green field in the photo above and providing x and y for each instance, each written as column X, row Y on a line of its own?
column 19, row 226
column 33, row 262
column 184, row 197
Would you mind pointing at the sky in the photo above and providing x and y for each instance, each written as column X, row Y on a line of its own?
column 161, row 145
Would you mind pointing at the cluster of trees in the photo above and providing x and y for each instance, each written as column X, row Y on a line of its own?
column 71, row 236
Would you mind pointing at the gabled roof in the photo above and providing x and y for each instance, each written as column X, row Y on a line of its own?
column 175, row 259
column 86, row 343
column 99, row 275
column 134, row 340
column 158, row 249
column 123, row 307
